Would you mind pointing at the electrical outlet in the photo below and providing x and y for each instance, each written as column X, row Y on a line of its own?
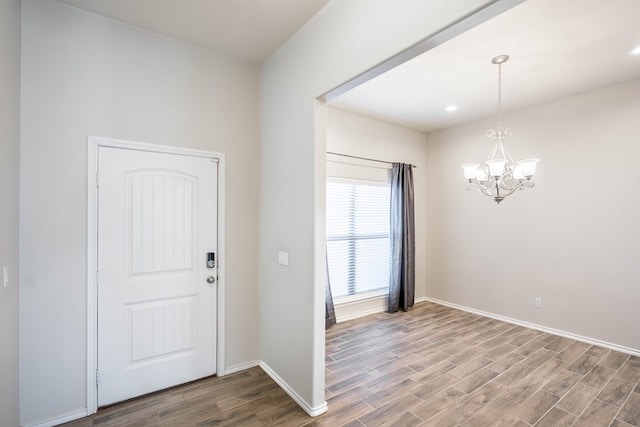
column 538, row 302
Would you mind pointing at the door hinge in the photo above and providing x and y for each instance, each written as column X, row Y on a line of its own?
column 97, row 377
column 98, row 179
column 97, row 278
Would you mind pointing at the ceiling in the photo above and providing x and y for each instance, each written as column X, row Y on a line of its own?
column 557, row 48
column 250, row 30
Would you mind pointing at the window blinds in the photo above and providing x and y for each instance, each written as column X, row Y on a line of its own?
column 357, row 236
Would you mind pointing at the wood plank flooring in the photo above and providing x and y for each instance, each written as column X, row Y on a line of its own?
column 432, row 366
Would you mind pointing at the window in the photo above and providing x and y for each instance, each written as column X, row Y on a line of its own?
column 358, row 249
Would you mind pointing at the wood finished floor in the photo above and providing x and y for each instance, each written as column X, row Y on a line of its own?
column 432, row 366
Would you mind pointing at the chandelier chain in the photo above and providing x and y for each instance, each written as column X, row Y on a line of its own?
column 499, row 95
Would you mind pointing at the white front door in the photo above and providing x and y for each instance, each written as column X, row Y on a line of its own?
column 157, row 223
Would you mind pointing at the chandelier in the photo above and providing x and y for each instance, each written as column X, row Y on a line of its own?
column 499, row 176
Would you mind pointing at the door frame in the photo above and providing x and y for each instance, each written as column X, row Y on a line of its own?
column 93, row 144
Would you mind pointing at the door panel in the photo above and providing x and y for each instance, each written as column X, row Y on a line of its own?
column 161, row 207
column 156, row 311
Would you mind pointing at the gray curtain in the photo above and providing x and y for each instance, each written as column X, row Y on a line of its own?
column 330, row 313
column 402, row 235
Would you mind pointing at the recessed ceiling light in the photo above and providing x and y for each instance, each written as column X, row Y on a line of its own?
column 635, row 51
column 452, row 108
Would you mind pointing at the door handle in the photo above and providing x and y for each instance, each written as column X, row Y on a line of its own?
column 211, row 279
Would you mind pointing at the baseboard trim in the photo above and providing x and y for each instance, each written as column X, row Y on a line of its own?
column 60, row 419
column 311, row 410
column 238, row 368
column 588, row 340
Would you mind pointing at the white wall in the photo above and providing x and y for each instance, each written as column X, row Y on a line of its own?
column 87, row 75
column 9, row 189
column 572, row 240
column 343, row 40
column 353, row 134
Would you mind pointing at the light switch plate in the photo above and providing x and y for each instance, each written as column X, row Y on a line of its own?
column 5, row 277
column 283, row 258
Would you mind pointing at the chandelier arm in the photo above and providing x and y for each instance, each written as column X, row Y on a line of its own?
column 488, row 191
column 481, row 188
column 519, row 186
column 526, row 183
column 488, row 186
column 492, row 154
column 502, row 151
column 505, row 153
column 503, row 182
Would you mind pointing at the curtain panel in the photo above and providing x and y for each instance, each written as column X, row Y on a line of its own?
column 330, row 313
column 402, row 235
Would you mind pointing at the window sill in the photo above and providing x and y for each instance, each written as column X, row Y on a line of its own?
column 358, row 298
